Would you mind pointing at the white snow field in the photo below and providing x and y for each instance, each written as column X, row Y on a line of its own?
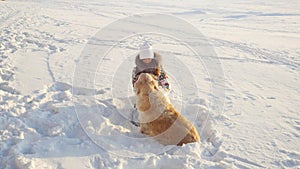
column 52, row 117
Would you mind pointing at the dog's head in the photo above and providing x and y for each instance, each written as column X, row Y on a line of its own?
column 145, row 84
column 143, row 87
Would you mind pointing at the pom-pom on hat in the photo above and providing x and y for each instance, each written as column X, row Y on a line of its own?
column 146, row 51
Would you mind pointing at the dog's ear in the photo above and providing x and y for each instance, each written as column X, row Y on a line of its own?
column 154, row 84
column 138, row 91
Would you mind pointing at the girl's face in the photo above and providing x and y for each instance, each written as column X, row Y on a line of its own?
column 146, row 60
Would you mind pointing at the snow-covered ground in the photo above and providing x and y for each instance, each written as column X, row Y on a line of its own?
column 42, row 47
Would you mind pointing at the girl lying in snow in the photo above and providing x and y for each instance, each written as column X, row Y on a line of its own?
column 148, row 61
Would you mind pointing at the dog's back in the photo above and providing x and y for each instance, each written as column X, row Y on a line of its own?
column 169, row 127
column 158, row 117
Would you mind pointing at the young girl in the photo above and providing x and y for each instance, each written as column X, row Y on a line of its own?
column 148, row 61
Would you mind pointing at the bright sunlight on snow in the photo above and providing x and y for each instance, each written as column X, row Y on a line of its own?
column 66, row 103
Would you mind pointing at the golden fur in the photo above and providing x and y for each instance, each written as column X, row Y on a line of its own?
column 157, row 116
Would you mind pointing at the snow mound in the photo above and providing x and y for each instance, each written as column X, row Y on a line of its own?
column 44, row 126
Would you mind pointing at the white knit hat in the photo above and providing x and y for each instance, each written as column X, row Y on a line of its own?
column 146, row 51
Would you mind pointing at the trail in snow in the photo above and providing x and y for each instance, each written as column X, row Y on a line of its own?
column 41, row 42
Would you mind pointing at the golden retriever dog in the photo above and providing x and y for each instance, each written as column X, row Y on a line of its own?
column 157, row 116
